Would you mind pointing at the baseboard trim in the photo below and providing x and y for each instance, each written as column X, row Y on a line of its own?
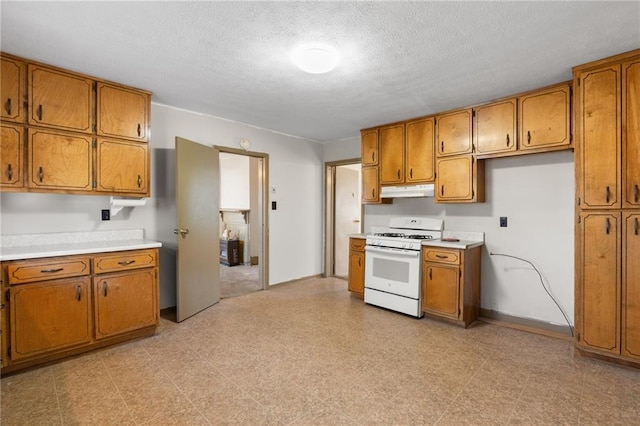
column 296, row 280
column 526, row 324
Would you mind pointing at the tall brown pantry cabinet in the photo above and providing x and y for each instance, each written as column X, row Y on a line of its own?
column 607, row 117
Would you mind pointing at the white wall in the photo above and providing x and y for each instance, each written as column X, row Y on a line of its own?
column 536, row 193
column 234, row 182
column 295, row 169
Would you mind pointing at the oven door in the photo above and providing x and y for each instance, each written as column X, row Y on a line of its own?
column 391, row 270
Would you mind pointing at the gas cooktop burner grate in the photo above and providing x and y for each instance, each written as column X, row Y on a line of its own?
column 401, row 235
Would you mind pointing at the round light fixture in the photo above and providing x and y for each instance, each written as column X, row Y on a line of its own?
column 315, row 58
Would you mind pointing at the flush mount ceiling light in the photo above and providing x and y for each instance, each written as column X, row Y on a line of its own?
column 315, row 58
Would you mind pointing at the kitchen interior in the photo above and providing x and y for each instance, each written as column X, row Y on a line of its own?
column 500, row 214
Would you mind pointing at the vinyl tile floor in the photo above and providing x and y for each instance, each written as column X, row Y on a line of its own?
column 308, row 353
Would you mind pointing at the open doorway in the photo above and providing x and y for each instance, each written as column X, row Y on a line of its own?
column 343, row 213
column 242, row 218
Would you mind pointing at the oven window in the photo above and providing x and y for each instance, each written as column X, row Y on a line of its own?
column 392, row 270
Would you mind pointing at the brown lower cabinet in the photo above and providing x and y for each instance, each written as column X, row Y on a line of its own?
column 61, row 306
column 356, row 266
column 451, row 284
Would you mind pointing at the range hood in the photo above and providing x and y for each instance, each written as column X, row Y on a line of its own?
column 424, row 190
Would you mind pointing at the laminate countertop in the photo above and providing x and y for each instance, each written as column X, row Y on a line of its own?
column 33, row 246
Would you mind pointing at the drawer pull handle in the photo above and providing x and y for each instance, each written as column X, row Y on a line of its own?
column 442, row 256
column 79, row 293
column 51, row 271
column 411, row 173
column 398, row 173
column 373, row 157
column 360, row 259
column 104, row 288
column 139, row 181
column 608, row 226
column 442, row 190
column 430, row 274
column 635, row 193
column 10, row 172
column 508, row 141
column 608, row 194
column 8, row 106
column 528, row 137
column 139, row 130
column 126, row 262
column 40, row 174
column 636, row 227
column 40, row 112
column 441, row 146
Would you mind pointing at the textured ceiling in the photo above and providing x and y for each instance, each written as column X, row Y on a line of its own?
column 399, row 60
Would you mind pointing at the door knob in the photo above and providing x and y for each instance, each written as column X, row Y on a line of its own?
column 181, row 231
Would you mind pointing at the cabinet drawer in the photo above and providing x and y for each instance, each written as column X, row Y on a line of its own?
column 122, row 261
column 451, row 257
column 47, row 269
column 356, row 244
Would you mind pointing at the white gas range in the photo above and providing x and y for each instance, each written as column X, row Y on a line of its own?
column 393, row 263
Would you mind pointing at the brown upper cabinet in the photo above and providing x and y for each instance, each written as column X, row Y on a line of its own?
column 608, row 163
column 122, row 112
column 459, row 179
column 454, row 133
column 495, row 127
column 420, row 161
column 65, row 132
column 369, row 139
column 13, row 90
column 536, row 121
column 12, row 158
column 391, row 154
column 60, row 99
column 545, row 119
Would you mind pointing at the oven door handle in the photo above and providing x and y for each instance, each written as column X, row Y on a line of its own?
column 393, row 251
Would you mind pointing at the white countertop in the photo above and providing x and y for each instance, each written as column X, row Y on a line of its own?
column 32, row 246
column 466, row 240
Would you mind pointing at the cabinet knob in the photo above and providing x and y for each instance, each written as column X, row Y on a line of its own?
column 139, row 181
column 8, row 106
column 79, row 293
column 635, row 193
column 441, row 146
column 40, row 174
column 636, row 227
column 528, row 137
column 40, row 112
column 398, row 173
column 411, row 173
column 139, row 130
column 104, row 288
column 508, row 141
column 608, row 226
column 607, row 194
column 10, row 172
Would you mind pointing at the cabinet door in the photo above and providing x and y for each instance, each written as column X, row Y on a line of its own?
column 60, row 99
column 122, row 167
column 356, row 271
column 454, row 179
column 122, row 112
column 600, row 287
column 369, row 140
column 392, row 154
column 11, row 156
column 12, row 89
column 495, row 130
column 370, row 185
column 631, row 132
column 545, row 118
column 598, row 151
column 59, row 161
column 419, row 163
column 454, row 133
column 631, row 285
column 441, row 290
column 125, row 302
column 49, row 316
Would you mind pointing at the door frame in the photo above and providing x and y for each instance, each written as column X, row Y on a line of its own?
column 330, row 212
column 263, row 182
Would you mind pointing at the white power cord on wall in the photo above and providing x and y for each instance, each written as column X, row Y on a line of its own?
column 564, row 314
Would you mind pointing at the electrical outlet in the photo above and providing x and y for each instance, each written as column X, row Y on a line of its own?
column 503, row 221
column 106, row 215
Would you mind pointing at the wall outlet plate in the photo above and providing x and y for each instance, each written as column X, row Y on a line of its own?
column 106, row 215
